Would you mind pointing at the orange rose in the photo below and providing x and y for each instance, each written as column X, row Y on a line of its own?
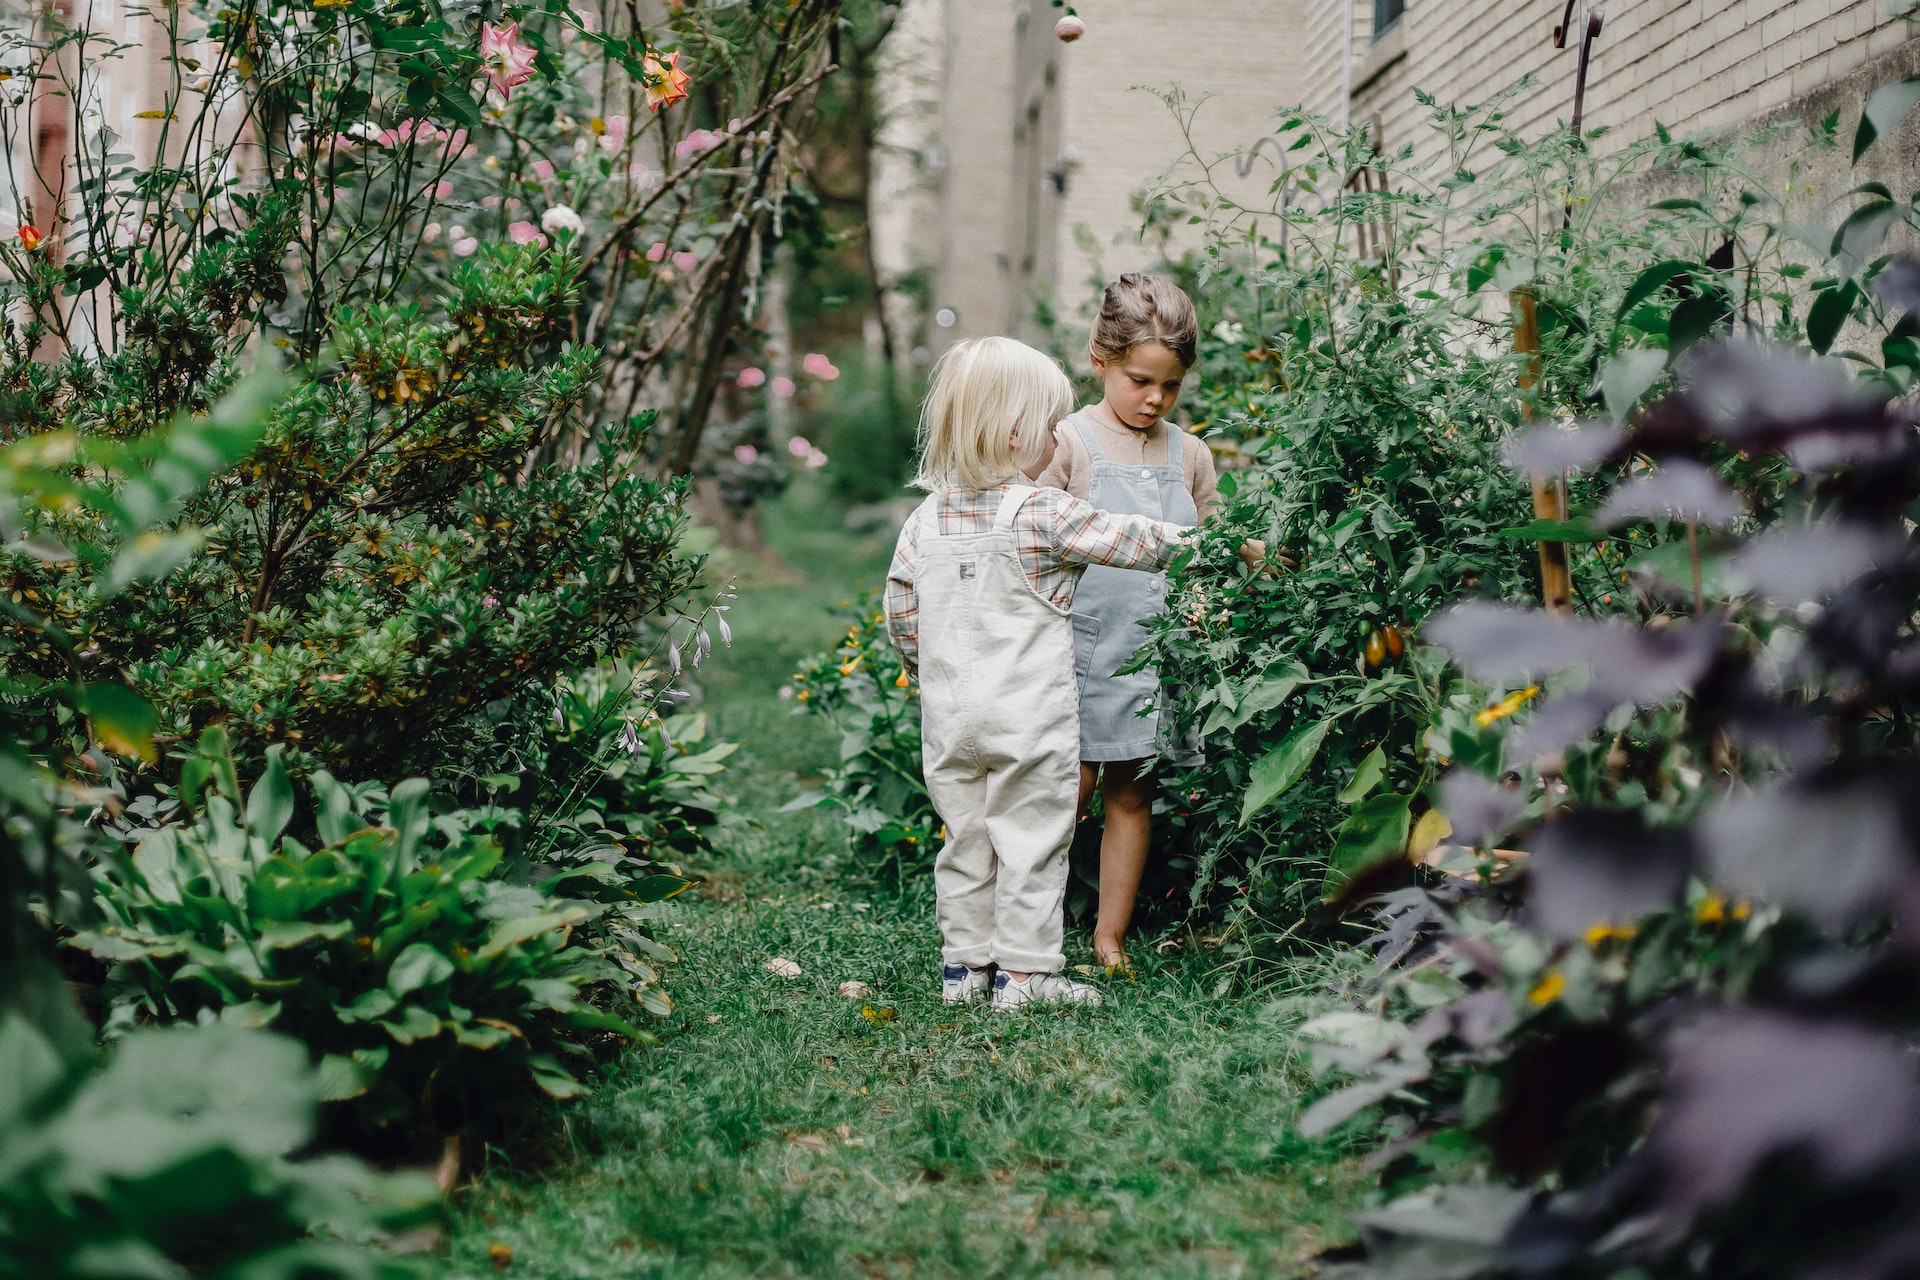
column 30, row 237
column 666, row 83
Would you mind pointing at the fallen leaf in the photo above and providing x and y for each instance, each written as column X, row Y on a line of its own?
column 500, row 1255
column 715, row 1017
column 809, row 1141
column 781, row 967
column 878, row 1017
column 1087, row 970
column 855, row 990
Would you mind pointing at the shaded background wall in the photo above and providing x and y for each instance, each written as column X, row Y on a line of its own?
column 1028, row 155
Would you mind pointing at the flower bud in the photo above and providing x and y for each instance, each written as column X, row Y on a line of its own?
column 1069, row 29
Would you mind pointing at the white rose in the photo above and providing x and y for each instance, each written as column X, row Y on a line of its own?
column 561, row 218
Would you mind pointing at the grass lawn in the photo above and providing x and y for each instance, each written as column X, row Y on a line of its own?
column 780, row 1128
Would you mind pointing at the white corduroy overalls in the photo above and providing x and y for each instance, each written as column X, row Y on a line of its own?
column 1000, row 742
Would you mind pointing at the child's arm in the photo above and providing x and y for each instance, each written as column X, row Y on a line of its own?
column 901, row 602
column 1203, row 482
column 1068, row 469
column 1084, row 534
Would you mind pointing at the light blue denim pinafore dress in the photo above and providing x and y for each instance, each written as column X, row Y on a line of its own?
column 1111, row 605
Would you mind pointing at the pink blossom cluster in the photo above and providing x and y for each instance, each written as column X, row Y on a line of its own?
column 803, row 449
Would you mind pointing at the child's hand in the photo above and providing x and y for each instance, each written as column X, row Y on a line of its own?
column 1253, row 553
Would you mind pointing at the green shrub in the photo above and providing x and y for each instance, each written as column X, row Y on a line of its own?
column 177, row 1158
column 428, row 991
column 863, row 692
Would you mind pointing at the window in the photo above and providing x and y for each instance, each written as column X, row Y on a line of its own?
column 1385, row 14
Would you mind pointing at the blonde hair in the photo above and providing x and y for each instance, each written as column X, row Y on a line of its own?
column 987, row 417
column 1139, row 308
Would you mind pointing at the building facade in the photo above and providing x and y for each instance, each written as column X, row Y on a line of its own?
column 1029, row 155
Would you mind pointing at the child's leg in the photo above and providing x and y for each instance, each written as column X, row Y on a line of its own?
column 963, row 870
column 1030, row 815
column 1126, row 792
column 1089, row 779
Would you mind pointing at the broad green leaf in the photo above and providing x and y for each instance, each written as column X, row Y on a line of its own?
column 1628, row 376
column 553, row 1078
column 1886, row 107
column 1274, row 687
column 407, row 814
column 659, row 888
column 122, row 720
column 806, row 800
column 335, row 817
column 1282, row 767
column 413, row 1024
column 511, row 933
column 1366, row 777
column 1830, row 310
column 420, row 965
column 1652, row 280
column 270, row 804
column 151, row 553
column 284, row 934
column 1374, row 831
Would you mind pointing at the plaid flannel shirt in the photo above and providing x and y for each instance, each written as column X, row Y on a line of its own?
column 1057, row 534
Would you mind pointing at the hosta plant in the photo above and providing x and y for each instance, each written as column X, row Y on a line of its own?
column 430, row 993
column 182, row 1155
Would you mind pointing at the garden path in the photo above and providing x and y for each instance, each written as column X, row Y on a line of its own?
column 781, row 1127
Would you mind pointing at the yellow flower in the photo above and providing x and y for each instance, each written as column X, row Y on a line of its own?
column 1505, row 707
column 1549, row 989
column 901, row 682
column 1711, row 909
column 1599, row 933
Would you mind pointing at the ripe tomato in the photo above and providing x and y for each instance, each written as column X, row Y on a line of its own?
column 1376, row 649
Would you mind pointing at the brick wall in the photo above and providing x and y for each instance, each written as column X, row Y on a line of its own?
column 1693, row 65
column 1025, row 107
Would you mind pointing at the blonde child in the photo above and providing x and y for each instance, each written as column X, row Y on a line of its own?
column 979, row 600
column 1122, row 455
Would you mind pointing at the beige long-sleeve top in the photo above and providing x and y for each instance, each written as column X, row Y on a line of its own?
column 1072, row 467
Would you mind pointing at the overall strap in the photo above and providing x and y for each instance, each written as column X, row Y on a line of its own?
column 1087, row 438
column 1009, row 506
column 1174, row 443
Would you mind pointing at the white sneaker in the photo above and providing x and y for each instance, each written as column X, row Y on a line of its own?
column 1039, row 988
column 962, row 985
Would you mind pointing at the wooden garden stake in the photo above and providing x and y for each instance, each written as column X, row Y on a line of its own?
column 1549, row 492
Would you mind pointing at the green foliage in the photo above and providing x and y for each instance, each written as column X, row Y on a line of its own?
column 179, row 1154
column 863, row 691
column 426, row 989
column 373, row 575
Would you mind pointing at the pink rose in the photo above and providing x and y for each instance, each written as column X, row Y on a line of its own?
column 784, row 387
column 464, row 247
column 657, row 252
column 504, row 57
column 543, row 169
column 745, row 454
column 799, row 446
column 525, row 233
column 819, row 366
column 616, row 135
column 816, row 460
column 697, row 141
column 685, row 261
column 751, row 377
